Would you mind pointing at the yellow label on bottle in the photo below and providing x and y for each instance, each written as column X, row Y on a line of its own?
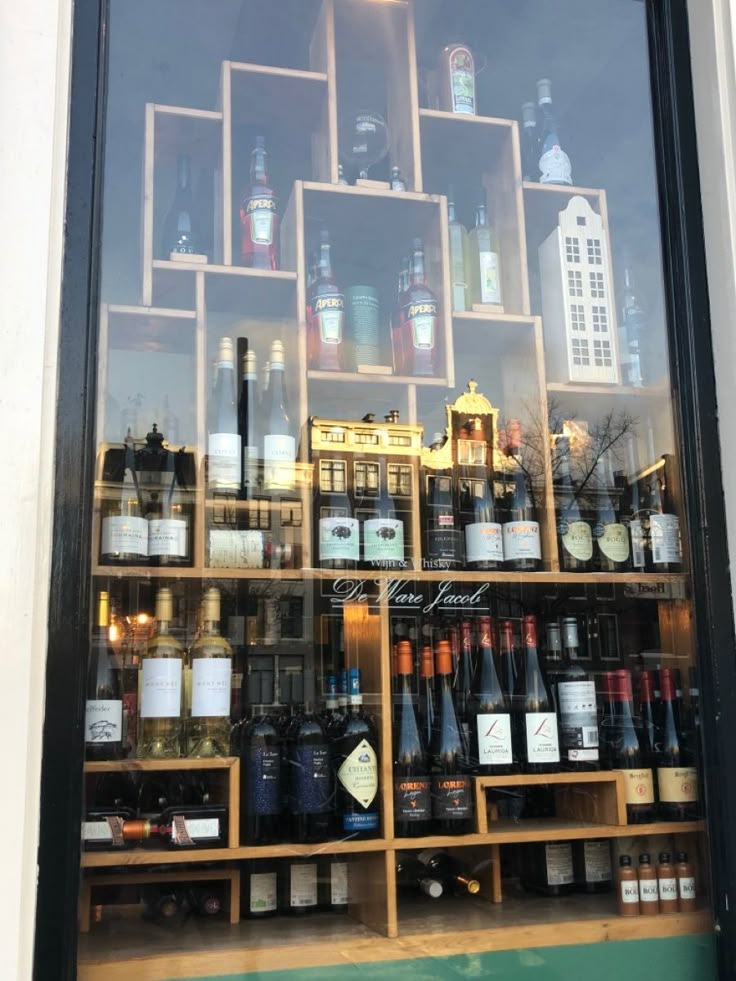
column 359, row 773
column 578, row 540
column 677, row 784
column 638, row 786
column 614, row 542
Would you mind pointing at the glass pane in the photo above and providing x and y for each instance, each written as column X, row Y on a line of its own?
column 390, row 601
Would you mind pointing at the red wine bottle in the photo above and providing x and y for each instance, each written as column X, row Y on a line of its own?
column 452, row 873
column 646, row 718
column 592, row 865
column 412, row 875
column 452, row 802
column 677, row 783
column 576, row 704
column 521, row 541
column 536, row 739
column 412, row 799
column 489, row 712
column 299, row 886
column 508, row 658
column 463, row 682
column 627, row 754
column 548, row 868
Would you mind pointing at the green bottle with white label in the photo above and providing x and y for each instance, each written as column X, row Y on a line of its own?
column 484, row 261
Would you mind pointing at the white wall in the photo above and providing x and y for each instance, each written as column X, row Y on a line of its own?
column 34, row 47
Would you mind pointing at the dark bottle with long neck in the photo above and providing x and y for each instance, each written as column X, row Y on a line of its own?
column 608, row 721
column 574, row 537
column 676, row 782
column 529, row 143
column 452, row 801
column 311, row 792
column 521, row 541
column 427, row 697
column 443, row 544
column 576, row 705
column 489, row 712
column 419, row 319
column 103, row 725
column 247, row 408
column 279, row 444
column 326, row 315
column 356, row 755
column 463, row 682
column 483, row 533
column 610, row 536
column 627, row 755
column 554, row 163
column 258, row 215
column 536, row 739
column 260, row 781
column 180, row 237
column 412, row 799
column 508, row 666
column 647, row 721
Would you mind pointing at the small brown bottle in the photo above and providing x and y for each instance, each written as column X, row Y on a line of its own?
column 628, row 888
column 648, row 891
column 685, row 884
column 667, row 884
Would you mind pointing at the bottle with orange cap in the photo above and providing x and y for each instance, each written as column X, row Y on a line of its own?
column 412, row 802
column 452, row 798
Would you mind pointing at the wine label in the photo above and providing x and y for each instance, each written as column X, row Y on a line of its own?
column 302, row 885
column 597, row 861
column 263, row 778
column 354, row 822
column 383, row 540
column 521, row 540
column 167, row 536
column 542, row 741
column 638, row 539
column 339, row 538
column 667, row 889
column 629, row 891
column 613, row 541
column 677, row 784
column 258, row 218
column 339, row 883
column 484, row 542
column 279, row 462
column 638, row 786
column 312, row 783
column 188, row 831
column 494, row 739
column 103, row 721
column 451, row 797
column 236, row 549
column 224, row 460
column 109, row 831
column 329, row 313
column 211, row 683
column 555, row 167
column 648, row 891
column 412, row 799
column 686, row 886
column 578, row 720
column 558, row 858
column 462, row 80
column 490, row 280
column 263, row 892
column 124, row 536
column 422, row 320
column 161, row 679
column 359, row 773
column 664, row 530
column 576, row 538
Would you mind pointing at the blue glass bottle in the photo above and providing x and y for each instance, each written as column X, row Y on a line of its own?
column 260, row 783
column 310, row 791
column 356, row 760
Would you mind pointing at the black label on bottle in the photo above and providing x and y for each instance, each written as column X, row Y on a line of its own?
column 451, row 797
column 412, row 800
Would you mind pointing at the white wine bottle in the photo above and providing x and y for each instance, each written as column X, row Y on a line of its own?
column 124, row 529
column 212, row 665
column 485, row 263
column 458, row 239
column 103, row 727
column 279, row 445
column 161, row 689
column 223, row 445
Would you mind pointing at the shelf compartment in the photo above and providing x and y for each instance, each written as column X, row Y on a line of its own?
column 230, row 289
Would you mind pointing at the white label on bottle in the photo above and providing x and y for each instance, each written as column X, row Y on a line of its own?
column 542, row 741
column 577, row 539
column 339, row 538
column 263, row 894
column 224, row 460
column 637, row 544
column 521, row 540
column 261, row 226
column 338, row 883
column 96, row 831
column 462, row 80
column 279, row 462
column 614, row 542
column 167, row 536
column 383, row 540
column 211, row 680
column 490, row 282
column 630, row 891
column 686, row 886
column 578, row 719
column 484, row 542
column 103, row 721
column 597, row 859
column 558, row 856
column 197, row 829
column 236, row 549
column 677, row 784
column 664, row 530
column 161, row 688
column 494, row 739
column 359, row 773
column 303, row 885
column 124, row 535
column 667, row 889
column 648, row 891
column 422, row 331
column 555, row 167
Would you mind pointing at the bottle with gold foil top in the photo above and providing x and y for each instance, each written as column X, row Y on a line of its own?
column 161, row 688
column 457, row 79
column 676, row 782
column 211, row 664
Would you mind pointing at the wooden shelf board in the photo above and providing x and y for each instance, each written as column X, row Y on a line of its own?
column 263, row 292
column 546, row 779
column 533, row 187
column 473, row 316
column 193, row 572
column 215, row 269
column 360, row 377
column 125, row 766
column 295, row 74
column 173, row 313
column 615, row 391
column 351, row 190
column 203, row 114
column 465, row 119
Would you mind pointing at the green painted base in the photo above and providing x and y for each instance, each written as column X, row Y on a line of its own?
column 673, row 958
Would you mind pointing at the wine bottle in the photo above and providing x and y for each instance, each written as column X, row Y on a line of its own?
column 554, row 163
column 577, row 707
column 333, row 884
column 665, row 552
column 610, row 536
column 636, row 505
column 247, row 410
column 521, row 543
column 553, row 660
column 548, row 868
column 180, row 237
column 450, row 871
column 452, row 803
column 646, row 716
column 259, row 217
column 161, row 688
column 443, row 546
column 489, row 712
column 508, row 666
column 412, row 875
column 124, row 538
column 206, row 900
column 426, row 693
column 412, row 799
column 419, row 319
column 677, row 783
column 279, row 445
column 458, row 241
column 485, row 264
column 383, row 535
column 224, row 472
column 338, row 532
column 627, row 754
column 310, row 787
column 111, row 803
column 260, row 781
column 168, row 525
column 356, row 754
column 397, row 181
column 103, row 722
column 592, row 865
column 211, row 660
column 259, row 889
column 182, row 827
column 165, row 906
column 326, row 315
column 300, row 886
column 534, row 720
column 462, row 684
column 574, row 537
column 529, row 142
column 483, row 533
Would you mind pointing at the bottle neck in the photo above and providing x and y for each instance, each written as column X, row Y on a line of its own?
column 258, row 173
column 481, row 219
column 325, row 261
column 417, row 269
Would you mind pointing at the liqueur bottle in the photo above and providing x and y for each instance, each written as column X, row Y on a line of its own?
column 411, row 874
column 574, row 536
column 310, row 786
column 247, row 411
column 326, row 315
column 412, row 800
column 626, row 754
column 260, row 781
column 124, row 539
column 452, row 803
column 419, row 320
column 258, row 215
column 338, row 531
column 211, row 659
column 279, row 444
column 554, row 163
column 576, row 705
column 103, row 718
column 677, row 783
column 383, row 535
column 458, row 240
column 443, row 544
column 160, row 732
column 224, row 472
column 356, row 756
column 535, row 735
column 457, row 79
column 521, row 542
column 485, row 263
column 180, row 237
column 529, row 142
column 259, row 889
column 489, row 712
column 610, row 536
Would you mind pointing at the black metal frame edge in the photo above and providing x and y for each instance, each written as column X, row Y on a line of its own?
column 694, row 377
column 63, row 733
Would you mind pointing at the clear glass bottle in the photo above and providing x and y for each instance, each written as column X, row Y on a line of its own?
column 211, row 659
column 160, row 730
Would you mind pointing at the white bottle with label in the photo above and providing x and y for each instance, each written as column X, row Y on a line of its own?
column 223, row 444
column 161, row 688
column 279, row 444
column 208, row 729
